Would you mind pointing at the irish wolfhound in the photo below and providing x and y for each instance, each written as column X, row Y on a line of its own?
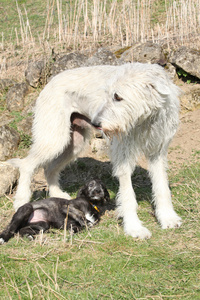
column 135, row 104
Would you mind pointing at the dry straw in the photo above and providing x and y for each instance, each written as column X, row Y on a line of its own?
column 81, row 23
column 87, row 24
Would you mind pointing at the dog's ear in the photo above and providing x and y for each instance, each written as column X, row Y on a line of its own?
column 106, row 194
column 82, row 191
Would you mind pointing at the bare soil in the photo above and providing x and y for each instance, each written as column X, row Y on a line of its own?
column 185, row 146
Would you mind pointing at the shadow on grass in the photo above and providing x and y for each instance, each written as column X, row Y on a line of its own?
column 83, row 169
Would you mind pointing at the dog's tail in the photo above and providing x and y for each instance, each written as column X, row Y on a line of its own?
column 15, row 162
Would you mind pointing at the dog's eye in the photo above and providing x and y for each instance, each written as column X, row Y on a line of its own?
column 117, row 97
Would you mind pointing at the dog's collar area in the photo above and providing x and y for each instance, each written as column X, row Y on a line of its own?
column 95, row 207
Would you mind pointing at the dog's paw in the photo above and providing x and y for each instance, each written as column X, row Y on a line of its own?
column 60, row 194
column 139, row 232
column 2, row 241
column 168, row 219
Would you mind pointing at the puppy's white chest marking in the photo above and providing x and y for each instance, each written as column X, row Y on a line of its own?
column 90, row 218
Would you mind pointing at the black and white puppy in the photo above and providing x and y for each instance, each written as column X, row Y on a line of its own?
column 84, row 210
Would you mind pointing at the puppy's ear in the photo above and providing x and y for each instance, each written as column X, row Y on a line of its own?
column 106, row 194
column 82, row 191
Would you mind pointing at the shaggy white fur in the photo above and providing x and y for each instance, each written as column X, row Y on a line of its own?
column 135, row 104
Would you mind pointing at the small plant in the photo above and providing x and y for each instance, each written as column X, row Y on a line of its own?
column 26, row 140
column 182, row 74
column 17, row 118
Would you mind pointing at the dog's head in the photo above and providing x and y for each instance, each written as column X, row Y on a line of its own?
column 95, row 191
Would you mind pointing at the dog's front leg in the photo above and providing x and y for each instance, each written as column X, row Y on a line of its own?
column 165, row 213
column 127, row 208
column 75, row 214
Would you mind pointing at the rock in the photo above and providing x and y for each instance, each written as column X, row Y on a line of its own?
column 8, row 177
column 103, row 57
column 68, row 61
column 145, row 53
column 171, row 70
column 99, row 147
column 15, row 96
column 5, row 118
column 6, row 83
column 35, row 73
column 9, row 140
column 186, row 59
column 190, row 99
column 26, row 125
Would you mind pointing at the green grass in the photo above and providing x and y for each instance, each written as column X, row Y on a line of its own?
column 103, row 263
column 36, row 10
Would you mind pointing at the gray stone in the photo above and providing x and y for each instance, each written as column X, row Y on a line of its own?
column 26, row 125
column 99, row 147
column 103, row 57
column 145, row 53
column 8, row 177
column 6, row 83
column 15, row 96
column 68, row 61
column 9, row 140
column 35, row 73
column 171, row 70
column 186, row 59
column 190, row 99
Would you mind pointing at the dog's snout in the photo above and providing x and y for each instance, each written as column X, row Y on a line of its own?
column 97, row 191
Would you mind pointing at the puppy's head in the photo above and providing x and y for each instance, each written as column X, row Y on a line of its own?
column 95, row 191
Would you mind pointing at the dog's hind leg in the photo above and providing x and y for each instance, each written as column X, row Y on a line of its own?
column 52, row 171
column 26, row 167
column 18, row 219
column 32, row 229
column 164, row 210
column 79, row 138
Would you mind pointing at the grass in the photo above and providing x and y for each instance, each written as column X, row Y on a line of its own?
column 103, row 263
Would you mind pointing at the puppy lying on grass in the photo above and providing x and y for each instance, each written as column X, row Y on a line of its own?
column 78, row 213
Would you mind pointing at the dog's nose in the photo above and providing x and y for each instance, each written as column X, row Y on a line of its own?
column 96, row 125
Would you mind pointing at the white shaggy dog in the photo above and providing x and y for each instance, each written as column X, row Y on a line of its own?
column 134, row 104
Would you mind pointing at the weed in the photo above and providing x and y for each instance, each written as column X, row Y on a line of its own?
column 187, row 77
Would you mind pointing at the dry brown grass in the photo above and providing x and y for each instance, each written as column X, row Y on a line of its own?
column 84, row 24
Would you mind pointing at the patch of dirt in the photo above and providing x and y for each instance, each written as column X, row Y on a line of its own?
column 185, row 146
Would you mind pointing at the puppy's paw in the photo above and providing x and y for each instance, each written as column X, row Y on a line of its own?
column 168, row 219
column 29, row 237
column 90, row 218
column 2, row 241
